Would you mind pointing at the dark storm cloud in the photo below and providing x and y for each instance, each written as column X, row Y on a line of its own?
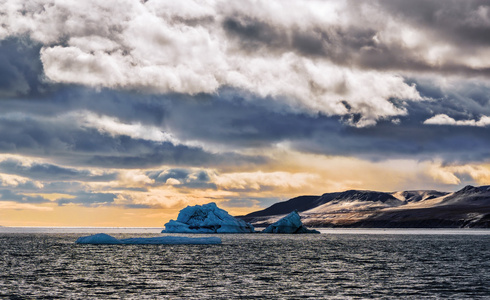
column 332, row 42
column 24, row 130
column 235, row 44
column 68, row 187
column 252, row 34
column 240, row 120
column 409, row 137
column 21, row 70
column 32, row 136
column 236, row 120
column 465, row 23
column 50, row 172
column 10, row 195
column 169, row 154
column 455, row 23
column 232, row 118
column 241, row 123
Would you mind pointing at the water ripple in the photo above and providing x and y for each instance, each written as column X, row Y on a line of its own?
column 248, row 266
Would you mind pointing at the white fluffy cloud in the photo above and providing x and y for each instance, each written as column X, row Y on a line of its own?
column 114, row 127
column 165, row 46
column 443, row 119
column 334, row 57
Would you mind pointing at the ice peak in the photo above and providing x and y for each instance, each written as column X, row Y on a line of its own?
column 206, row 218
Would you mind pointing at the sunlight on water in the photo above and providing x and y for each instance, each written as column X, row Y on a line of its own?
column 36, row 265
column 87, row 230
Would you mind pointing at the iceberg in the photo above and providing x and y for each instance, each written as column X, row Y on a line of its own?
column 207, row 218
column 289, row 224
column 99, row 238
column 105, row 239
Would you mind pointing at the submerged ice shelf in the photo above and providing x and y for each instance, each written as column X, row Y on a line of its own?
column 105, row 239
column 207, row 218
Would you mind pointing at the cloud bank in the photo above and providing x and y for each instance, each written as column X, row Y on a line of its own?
column 447, row 120
column 329, row 57
column 313, row 57
column 145, row 104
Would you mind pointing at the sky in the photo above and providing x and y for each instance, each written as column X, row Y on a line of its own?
column 121, row 113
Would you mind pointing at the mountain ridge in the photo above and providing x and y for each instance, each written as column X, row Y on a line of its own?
column 468, row 207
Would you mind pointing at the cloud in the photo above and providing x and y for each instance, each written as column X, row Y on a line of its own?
column 263, row 181
column 50, row 172
column 197, row 48
column 21, row 70
column 184, row 178
column 19, row 182
column 314, row 57
column 231, row 129
column 89, row 139
column 114, row 127
column 4, row 205
column 479, row 173
column 89, row 199
column 465, row 23
column 392, row 36
column 443, row 119
column 133, row 179
column 13, row 196
column 160, row 104
column 458, row 173
column 443, row 175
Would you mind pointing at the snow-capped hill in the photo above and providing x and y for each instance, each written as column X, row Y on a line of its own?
column 354, row 200
column 417, row 196
column 469, row 189
column 300, row 204
column 359, row 196
column 469, row 195
column 468, row 207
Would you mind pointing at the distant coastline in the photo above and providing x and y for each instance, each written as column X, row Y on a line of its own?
column 466, row 208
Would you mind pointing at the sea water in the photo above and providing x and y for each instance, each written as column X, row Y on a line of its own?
column 337, row 264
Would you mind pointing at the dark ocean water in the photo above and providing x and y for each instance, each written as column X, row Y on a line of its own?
column 330, row 266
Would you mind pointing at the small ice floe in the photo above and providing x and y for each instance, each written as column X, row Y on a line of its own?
column 289, row 224
column 102, row 238
column 99, row 238
column 207, row 218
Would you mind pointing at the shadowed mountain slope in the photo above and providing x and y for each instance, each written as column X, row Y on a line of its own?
column 468, row 207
